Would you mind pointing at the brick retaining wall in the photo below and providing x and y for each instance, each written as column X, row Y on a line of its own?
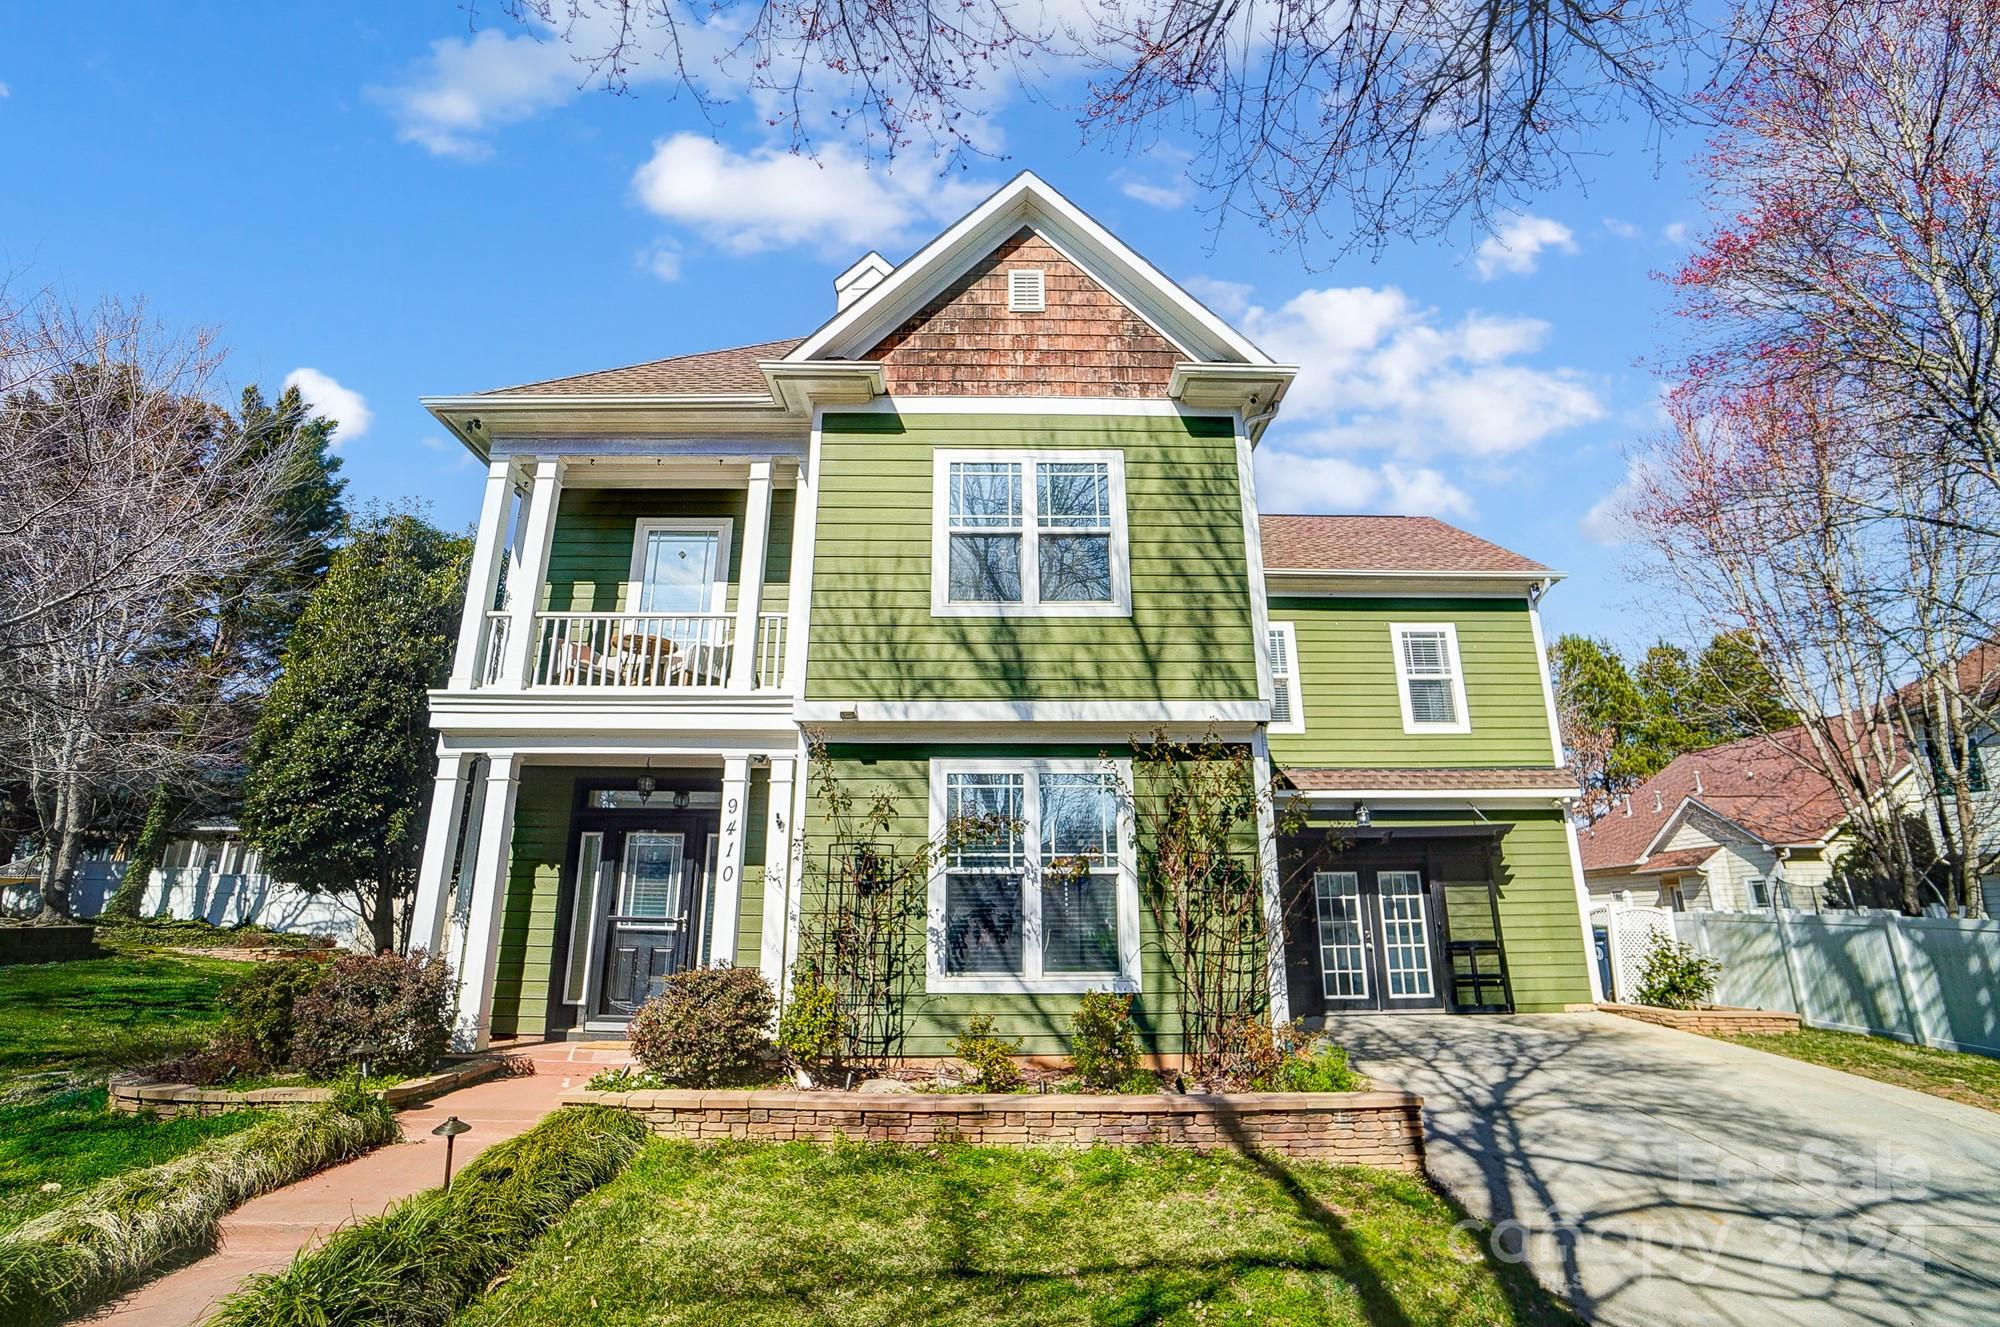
column 1719, row 1022
column 169, row 1100
column 1360, row 1128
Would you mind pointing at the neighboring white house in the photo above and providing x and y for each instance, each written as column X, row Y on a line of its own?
column 1736, row 828
column 209, row 875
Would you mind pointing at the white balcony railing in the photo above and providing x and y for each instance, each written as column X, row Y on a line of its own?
column 638, row 651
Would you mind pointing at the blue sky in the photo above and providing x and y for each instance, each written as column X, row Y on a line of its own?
column 388, row 203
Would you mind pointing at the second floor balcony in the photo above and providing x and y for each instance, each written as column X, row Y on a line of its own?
column 641, row 651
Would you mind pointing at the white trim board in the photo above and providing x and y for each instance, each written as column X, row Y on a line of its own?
column 1031, row 711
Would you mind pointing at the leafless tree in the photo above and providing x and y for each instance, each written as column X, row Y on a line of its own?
column 1354, row 121
column 123, row 500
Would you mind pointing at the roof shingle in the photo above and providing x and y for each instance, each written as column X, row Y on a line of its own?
column 1539, row 778
column 731, row 372
column 1383, row 543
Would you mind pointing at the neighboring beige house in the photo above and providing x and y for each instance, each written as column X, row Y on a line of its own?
column 1736, row 828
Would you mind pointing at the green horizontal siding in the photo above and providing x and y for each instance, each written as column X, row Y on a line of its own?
column 527, row 964
column 1189, row 636
column 590, row 556
column 1348, row 681
column 750, row 895
column 1040, row 1022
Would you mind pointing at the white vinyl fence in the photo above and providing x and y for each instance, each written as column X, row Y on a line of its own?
column 204, row 892
column 1934, row 981
column 1624, row 935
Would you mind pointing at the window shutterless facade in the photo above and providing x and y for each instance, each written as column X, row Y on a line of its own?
column 1430, row 682
column 1049, row 901
column 1030, row 534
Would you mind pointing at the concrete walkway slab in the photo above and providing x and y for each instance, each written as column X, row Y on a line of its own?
column 267, row 1232
column 1662, row 1179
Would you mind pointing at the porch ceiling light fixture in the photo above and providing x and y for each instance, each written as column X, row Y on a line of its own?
column 681, row 799
column 647, row 785
column 1361, row 816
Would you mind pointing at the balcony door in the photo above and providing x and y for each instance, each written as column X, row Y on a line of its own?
column 680, row 567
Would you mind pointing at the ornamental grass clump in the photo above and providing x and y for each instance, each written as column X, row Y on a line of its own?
column 424, row 1259
column 124, row 1229
column 708, row 1028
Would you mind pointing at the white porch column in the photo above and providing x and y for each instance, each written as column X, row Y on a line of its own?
column 440, row 838
column 1274, row 902
column 481, row 952
column 728, row 882
column 750, row 578
column 777, row 873
column 525, row 595
column 489, row 551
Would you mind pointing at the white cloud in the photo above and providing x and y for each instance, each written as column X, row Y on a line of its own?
column 663, row 260
column 1157, row 195
column 455, row 452
column 467, row 87
column 768, row 199
column 1231, row 299
column 1378, row 371
column 1517, row 248
column 1609, row 520
column 347, row 408
column 1675, row 232
column 5, row 91
column 1334, row 483
column 1624, row 230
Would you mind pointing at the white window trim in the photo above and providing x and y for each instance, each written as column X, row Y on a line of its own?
column 642, row 529
column 1463, row 724
column 1120, row 604
column 1297, row 723
column 1032, row 982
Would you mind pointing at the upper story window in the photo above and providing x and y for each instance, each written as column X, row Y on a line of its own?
column 1050, row 901
column 1430, row 682
column 1030, row 534
column 1286, row 714
column 1975, row 766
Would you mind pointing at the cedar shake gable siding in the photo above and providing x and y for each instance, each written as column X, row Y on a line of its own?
column 965, row 342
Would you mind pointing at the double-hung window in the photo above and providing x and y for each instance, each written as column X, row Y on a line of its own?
column 1037, row 889
column 1030, row 534
column 1429, row 680
column 1286, row 714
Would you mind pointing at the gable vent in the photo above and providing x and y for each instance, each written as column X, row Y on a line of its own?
column 1026, row 290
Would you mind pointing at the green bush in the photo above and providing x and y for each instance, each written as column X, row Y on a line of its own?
column 624, row 1079
column 421, row 1261
column 120, row 1231
column 1676, row 976
column 990, row 1059
column 1103, row 1047
column 811, row 1032
column 1261, row 1058
column 1322, row 1070
column 393, row 1012
column 708, row 1028
column 263, row 1005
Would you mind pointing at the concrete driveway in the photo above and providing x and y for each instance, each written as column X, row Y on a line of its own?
column 1655, row 1177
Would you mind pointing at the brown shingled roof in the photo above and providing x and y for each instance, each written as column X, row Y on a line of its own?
column 1541, row 778
column 731, row 372
column 1760, row 784
column 1382, row 543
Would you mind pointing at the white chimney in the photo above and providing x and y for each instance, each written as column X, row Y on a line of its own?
column 859, row 279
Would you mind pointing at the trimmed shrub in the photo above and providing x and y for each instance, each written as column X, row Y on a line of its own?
column 811, row 1032
column 263, row 1005
column 1676, row 976
column 708, row 1028
column 990, row 1059
column 117, row 1233
column 225, row 1058
column 1102, row 1044
column 393, row 1012
column 427, row 1257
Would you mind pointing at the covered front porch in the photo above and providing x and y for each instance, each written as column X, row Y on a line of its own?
column 564, row 887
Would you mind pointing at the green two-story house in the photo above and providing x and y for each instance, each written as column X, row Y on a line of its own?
column 988, row 524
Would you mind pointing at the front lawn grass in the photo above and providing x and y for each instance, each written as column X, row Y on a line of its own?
column 70, row 1139
column 1972, row 1079
column 794, row 1233
column 95, row 1011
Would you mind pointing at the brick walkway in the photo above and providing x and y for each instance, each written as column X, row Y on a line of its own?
column 265, row 1233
